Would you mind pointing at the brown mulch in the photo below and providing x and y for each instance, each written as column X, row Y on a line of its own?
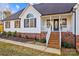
column 69, row 52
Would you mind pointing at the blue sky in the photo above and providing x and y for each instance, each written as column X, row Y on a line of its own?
column 14, row 7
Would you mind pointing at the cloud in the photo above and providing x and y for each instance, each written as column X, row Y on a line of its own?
column 17, row 6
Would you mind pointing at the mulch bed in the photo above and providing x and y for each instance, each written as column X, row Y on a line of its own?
column 69, row 52
column 20, row 39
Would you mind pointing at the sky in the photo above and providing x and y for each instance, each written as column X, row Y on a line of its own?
column 14, row 7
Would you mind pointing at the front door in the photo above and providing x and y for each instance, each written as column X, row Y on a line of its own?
column 56, row 24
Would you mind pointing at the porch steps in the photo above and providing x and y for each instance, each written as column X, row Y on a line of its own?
column 54, row 40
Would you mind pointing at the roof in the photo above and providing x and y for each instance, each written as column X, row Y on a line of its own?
column 47, row 9
column 54, row 8
column 14, row 16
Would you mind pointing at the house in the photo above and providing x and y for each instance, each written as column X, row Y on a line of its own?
column 3, row 14
column 57, row 22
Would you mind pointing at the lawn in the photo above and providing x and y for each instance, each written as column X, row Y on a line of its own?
column 7, row 49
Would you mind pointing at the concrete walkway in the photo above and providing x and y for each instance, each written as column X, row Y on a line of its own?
column 33, row 46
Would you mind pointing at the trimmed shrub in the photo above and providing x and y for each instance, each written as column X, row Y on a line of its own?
column 14, row 33
column 67, row 45
column 42, row 40
column 9, row 33
column 36, row 39
column 4, row 33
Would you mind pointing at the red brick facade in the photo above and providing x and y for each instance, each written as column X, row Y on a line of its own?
column 68, row 37
column 77, row 42
column 32, row 35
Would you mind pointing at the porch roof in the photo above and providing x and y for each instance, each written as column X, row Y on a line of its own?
column 47, row 9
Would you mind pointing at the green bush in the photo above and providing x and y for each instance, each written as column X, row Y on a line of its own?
column 9, row 33
column 42, row 40
column 67, row 45
column 36, row 39
column 4, row 33
column 14, row 33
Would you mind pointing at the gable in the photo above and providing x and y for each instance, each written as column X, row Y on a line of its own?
column 30, row 10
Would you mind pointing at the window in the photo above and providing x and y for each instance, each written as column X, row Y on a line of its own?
column 26, row 22
column 7, row 24
column 33, row 22
column 64, row 22
column 48, row 23
column 17, row 24
column 30, row 21
column 29, row 15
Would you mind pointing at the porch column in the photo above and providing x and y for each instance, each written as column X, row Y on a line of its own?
column 60, row 30
column 50, row 22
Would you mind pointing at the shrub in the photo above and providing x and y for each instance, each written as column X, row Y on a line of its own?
column 67, row 45
column 40, row 40
column 4, row 33
column 43, row 40
column 36, row 39
column 14, row 33
column 9, row 33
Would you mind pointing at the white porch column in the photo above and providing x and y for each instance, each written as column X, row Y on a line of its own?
column 50, row 21
column 60, row 30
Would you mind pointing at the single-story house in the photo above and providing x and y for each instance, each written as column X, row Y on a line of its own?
column 57, row 22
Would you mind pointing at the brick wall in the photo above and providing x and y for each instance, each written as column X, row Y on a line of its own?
column 32, row 35
column 68, row 37
column 77, row 42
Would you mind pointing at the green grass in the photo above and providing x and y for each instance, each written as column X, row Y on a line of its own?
column 7, row 49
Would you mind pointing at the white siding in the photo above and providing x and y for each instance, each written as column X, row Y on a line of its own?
column 36, row 14
column 67, row 16
column 77, row 21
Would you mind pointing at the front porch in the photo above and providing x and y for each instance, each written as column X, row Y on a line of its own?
column 56, row 21
column 55, row 26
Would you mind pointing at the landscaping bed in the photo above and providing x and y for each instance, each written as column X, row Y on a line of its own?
column 69, row 52
column 12, row 36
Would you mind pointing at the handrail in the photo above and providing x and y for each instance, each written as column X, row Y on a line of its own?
column 48, row 35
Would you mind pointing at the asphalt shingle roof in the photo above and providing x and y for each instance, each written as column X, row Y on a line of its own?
column 47, row 9
column 54, row 8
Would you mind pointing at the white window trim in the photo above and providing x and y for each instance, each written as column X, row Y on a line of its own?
column 29, row 22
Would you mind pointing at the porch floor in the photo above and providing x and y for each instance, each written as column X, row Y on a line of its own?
column 37, row 47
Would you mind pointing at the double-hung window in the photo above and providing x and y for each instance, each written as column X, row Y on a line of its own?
column 64, row 22
column 30, row 21
column 7, row 24
column 17, row 24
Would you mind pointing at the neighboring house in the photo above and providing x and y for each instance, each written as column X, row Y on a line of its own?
column 3, row 14
column 53, row 21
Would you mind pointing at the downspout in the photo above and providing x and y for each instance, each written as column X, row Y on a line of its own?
column 74, row 11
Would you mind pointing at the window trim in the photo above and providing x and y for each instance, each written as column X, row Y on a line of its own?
column 34, row 22
column 7, row 26
column 18, row 25
column 46, row 23
column 64, row 25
